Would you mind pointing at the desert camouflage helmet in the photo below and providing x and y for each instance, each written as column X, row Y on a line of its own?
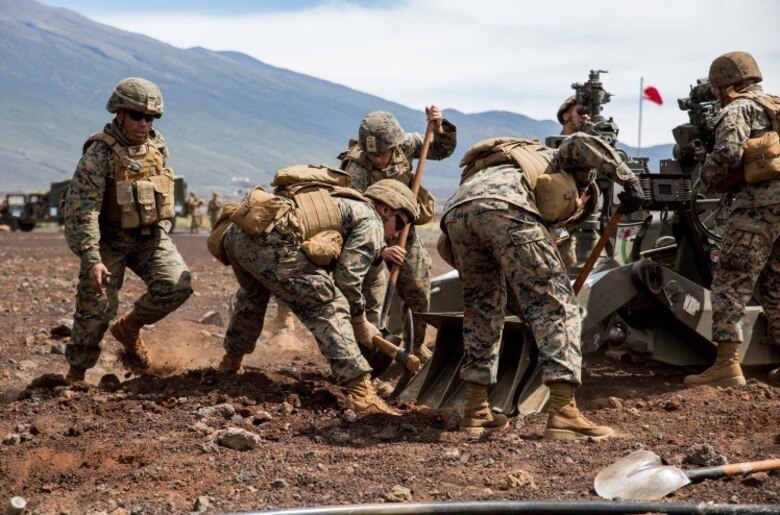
column 136, row 94
column 572, row 100
column 380, row 131
column 733, row 68
column 395, row 194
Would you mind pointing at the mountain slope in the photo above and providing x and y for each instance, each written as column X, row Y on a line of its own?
column 227, row 114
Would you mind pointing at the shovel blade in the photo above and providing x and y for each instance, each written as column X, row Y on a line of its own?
column 438, row 385
column 640, row 476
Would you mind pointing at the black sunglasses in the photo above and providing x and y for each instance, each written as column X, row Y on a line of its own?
column 137, row 117
column 400, row 223
column 583, row 111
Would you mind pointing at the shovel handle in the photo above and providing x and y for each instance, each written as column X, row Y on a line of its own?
column 735, row 469
column 600, row 244
column 409, row 361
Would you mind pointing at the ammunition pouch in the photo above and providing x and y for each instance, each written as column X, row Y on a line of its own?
column 258, row 211
column 214, row 241
column 323, row 248
column 142, row 193
column 761, row 158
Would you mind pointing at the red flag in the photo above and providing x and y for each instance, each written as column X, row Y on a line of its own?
column 652, row 94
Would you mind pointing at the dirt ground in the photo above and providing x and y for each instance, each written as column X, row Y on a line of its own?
column 150, row 445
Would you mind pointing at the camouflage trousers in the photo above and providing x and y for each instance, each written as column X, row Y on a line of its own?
column 413, row 286
column 272, row 265
column 155, row 260
column 504, row 251
column 195, row 223
column 749, row 258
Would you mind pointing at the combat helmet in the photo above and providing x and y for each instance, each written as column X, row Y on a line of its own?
column 380, row 131
column 395, row 194
column 733, row 68
column 136, row 94
column 572, row 100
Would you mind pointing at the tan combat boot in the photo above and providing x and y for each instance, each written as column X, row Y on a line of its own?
column 75, row 375
column 477, row 417
column 364, row 399
column 724, row 372
column 231, row 363
column 383, row 388
column 774, row 377
column 127, row 331
column 564, row 420
column 283, row 322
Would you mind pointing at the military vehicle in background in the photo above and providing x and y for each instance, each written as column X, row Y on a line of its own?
column 23, row 211
column 649, row 298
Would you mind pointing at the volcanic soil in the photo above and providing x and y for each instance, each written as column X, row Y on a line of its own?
column 151, row 444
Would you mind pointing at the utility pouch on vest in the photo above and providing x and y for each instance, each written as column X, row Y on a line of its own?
column 128, row 214
column 257, row 212
column 323, row 248
column 761, row 158
column 163, row 194
column 556, row 196
column 147, row 209
column 214, row 241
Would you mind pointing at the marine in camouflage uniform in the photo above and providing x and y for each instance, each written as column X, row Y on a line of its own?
column 106, row 249
column 385, row 151
column 213, row 209
column 328, row 301
column 750, row 251
column 573, row 116
column 193, row 208
column 502, row 247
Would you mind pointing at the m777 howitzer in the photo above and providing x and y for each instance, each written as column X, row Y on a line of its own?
column 654, row 307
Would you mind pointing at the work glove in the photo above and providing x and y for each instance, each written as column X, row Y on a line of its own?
column 632, row 196
column 364, row 331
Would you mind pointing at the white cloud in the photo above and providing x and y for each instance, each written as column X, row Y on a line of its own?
column 492, row 54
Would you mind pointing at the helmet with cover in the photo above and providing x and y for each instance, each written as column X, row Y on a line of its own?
column 572, row 100
column 733, row 68
column 380, row 131
column 136, row 94
column 395, row 194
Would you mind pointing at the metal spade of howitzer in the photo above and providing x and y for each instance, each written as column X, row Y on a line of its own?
column 642, row 476
column 405, row 356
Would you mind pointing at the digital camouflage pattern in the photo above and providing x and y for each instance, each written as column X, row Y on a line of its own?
column 578, row 152
column 136, row 94
column 152, row 257
column 489, row 236
column 495, row 228
column 380, row 131
column 750, row 251
column 414, row 278
column 325, row 303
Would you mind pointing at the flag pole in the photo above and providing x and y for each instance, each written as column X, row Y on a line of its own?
column 641, row 94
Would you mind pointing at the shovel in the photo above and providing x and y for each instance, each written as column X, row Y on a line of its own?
column 642, row 476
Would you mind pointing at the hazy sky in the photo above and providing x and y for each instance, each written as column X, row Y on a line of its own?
column 480, row 55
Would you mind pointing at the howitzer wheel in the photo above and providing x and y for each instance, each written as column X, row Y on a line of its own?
column 711, row 211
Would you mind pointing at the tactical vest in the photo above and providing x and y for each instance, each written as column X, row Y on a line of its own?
column 555, row 192
column 426, row 203
column 142, row 191
column 761, row 155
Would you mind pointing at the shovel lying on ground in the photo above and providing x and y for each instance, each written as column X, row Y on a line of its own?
column 642, row 476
